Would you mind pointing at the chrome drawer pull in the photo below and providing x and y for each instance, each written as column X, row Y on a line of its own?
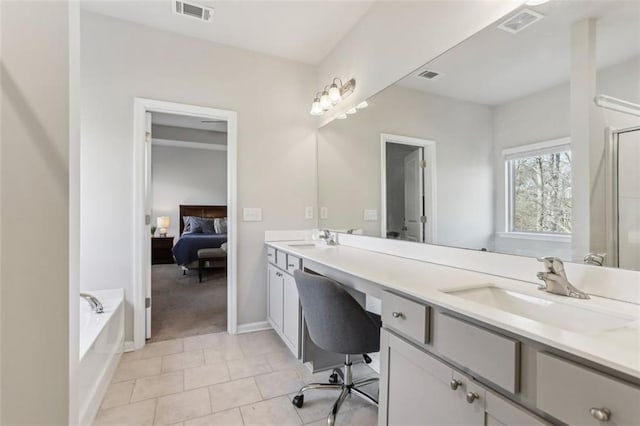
column 455, row 383
column 397, row 314
column 472, row 396
column 291, row 265
column 600, row 414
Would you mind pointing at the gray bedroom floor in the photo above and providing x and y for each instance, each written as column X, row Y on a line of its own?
column 183, row 307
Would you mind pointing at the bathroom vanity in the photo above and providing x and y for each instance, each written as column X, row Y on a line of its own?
column 463, row 347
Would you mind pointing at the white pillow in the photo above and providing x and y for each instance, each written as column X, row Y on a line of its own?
column 220, row 225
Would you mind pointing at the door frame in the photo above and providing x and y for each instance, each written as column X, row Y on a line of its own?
column 429, row 147
column 141, row 250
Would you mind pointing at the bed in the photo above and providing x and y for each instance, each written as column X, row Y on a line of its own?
column 186, row 249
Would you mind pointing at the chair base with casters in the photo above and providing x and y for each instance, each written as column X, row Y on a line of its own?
column 347, row 387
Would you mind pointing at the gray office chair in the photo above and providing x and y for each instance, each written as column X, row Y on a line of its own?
column 337, row 323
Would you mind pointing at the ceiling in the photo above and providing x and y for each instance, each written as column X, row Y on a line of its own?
column 174, row 120
column 304, row 31
column 494, row 67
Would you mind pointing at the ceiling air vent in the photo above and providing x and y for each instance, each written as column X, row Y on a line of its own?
column 429, row 75
column 193, row 10
column 520, row 21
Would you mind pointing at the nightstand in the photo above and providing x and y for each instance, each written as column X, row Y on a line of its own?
column 161, row 250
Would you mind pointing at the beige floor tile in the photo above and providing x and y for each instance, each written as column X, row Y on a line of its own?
column 224, row 352
column 223, row 418
column 118, row 394
column 282, row 360
column 277, row 411
column 128, row 370
column 154, row 386
column 363, row 416
column 204, row 341
column 278, row 383
column 182, row 406
column 167, row 347
column 234, row 394
column 317, row 404
column 250, row 366
column 209, row 374
column 262, row 342
column 131, row 356
column 182, row 360
column 141, row 413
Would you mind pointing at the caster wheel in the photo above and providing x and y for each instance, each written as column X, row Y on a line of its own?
column 298, row 400
column 333, row 378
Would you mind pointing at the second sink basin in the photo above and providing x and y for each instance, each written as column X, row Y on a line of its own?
column 552, row 312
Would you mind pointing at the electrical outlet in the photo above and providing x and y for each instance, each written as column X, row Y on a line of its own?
column 308, row 212
column 370, row 215
column 324, row 213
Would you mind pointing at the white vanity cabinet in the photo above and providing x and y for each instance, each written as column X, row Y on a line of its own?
column 283, row 304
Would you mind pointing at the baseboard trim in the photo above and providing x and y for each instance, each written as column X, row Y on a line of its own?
column 128, row 346
column 253, row 326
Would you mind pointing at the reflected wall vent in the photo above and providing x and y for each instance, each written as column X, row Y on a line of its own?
column 429, row 74
column 193, row 10
column 520, row 21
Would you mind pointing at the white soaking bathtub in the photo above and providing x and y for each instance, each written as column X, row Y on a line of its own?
column 101, row 341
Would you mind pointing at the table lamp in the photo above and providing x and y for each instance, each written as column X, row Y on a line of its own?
column 163, row 223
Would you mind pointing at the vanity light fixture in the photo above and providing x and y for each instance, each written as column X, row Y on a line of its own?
column 331, row 95
column 362, row 105
column 351, row 111
column 342, row 116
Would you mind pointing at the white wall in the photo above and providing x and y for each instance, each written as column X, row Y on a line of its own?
column 186, row 176
column 349, row 163
column 394, row 38
column 37, row 142
column 276, row 142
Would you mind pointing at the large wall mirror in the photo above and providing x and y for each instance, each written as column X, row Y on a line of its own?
column 499, row 145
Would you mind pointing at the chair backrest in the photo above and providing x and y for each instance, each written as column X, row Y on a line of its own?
column 335, row 320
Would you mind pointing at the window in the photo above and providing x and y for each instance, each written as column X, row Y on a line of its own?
column 539, row 188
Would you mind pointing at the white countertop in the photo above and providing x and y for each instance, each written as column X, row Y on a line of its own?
column 618, row 348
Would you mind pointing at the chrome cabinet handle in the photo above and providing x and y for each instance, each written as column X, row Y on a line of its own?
column 600, row 414
column 472, row 396
column 291, row 265
column 270, row 254
column 455, row 383
column 397, row 314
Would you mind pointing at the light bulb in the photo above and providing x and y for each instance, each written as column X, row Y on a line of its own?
column 342, row 116
column 325, row 102
column 536, row 2
column 351, row 111
column 316, row 109
column 362, row 105
column 334, row 94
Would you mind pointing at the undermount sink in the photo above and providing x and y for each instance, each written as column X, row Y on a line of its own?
column 310, row 246
column 552, row 312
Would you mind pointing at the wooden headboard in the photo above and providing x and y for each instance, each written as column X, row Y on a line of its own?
column 201, row 211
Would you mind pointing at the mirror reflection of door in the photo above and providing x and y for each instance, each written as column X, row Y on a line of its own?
column 407, row 201
column 413, row 196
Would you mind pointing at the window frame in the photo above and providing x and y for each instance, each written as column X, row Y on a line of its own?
column 524, row 151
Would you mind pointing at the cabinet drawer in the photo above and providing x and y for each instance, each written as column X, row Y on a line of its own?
column 406, row 316
column 569, row 392
column 281, row 259
column 492, row 356
column 271, row 255
column 293, row 263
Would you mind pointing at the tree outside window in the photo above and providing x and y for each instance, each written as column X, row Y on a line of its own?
column 540, row 192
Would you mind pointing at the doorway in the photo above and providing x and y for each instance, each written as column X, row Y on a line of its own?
column 145, row 217
column 408, row 188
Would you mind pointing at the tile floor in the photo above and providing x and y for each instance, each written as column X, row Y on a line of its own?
column 219, row 379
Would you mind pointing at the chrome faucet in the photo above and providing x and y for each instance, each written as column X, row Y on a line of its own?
column 596, row 259
column 328, row 237
column 94, row 302
column 555, row 279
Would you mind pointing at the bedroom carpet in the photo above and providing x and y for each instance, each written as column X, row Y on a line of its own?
column 183, row 307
